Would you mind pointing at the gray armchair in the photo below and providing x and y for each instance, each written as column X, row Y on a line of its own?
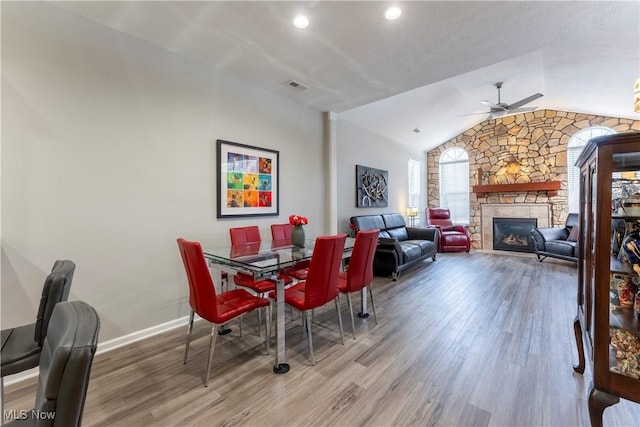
column 558, row 242
column 21, row 346
column 65, row 365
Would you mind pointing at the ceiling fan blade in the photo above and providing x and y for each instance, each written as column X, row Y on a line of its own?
column 522, row 110
column 523, row 101
column 493, row 106
column 499, row 114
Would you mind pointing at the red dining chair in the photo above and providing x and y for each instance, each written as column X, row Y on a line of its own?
column 282, row 233
column 246, row 236
column 250, row 235
column 321, row 285
column 359, row 274
column 215, row 308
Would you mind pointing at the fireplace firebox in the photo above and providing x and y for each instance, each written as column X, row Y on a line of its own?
column 513, row 234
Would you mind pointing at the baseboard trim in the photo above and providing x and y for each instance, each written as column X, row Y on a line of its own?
column 112, row 345
column 140, row 335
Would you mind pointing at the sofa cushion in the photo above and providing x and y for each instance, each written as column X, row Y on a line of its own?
column 393, row 221
column 384, row 235
column 398, row 233
column 426, row 246
column 561, row 247
column 410, row 251
column 454, row 238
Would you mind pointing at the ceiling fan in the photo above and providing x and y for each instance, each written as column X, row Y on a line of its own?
column 501, row 109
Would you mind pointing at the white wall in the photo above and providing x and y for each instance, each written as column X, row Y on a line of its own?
column 358, row 146
column 108, row 155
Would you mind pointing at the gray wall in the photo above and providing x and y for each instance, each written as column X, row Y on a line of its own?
column 360, row 146
column 108, row 155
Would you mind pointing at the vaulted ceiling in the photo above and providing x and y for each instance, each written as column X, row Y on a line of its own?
column 424, row 70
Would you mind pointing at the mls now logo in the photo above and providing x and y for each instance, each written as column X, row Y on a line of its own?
column 23, row 414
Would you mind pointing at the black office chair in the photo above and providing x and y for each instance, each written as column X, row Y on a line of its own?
column 65, row 367
column 21, row 346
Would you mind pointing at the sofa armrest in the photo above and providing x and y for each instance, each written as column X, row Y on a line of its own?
column 421, row 233
column 538, row 239
column 461, row 228
column 542, row 235
column 553, row 233
column 390, row 244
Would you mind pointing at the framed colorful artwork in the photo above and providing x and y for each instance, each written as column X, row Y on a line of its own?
column 247, row 180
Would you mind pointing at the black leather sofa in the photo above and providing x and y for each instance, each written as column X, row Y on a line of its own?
column 556, row 242
column 399, row 246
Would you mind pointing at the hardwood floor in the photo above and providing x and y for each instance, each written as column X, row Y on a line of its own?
column 470, row 339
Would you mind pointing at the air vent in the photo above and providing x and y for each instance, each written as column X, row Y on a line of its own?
column 297, row 85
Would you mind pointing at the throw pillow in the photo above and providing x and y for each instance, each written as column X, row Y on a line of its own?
column 574, row 234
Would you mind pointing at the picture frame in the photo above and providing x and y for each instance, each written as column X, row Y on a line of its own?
column 372, row 189
column 248, row 180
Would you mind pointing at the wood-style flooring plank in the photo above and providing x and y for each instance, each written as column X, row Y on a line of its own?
column 476, row 339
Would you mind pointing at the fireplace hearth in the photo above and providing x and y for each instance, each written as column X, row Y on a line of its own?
column 513, row 234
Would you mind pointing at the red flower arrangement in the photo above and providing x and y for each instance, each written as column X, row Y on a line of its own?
column 298, row 220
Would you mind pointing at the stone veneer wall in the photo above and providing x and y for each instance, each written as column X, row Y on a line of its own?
column 537, row 140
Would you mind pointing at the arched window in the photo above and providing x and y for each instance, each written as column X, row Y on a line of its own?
column 454, row 183
column 574, row 148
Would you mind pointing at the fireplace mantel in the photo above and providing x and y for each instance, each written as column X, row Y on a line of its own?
column 551, row 187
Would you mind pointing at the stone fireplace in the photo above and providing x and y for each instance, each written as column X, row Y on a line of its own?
column 535, row 144
column 538, row 213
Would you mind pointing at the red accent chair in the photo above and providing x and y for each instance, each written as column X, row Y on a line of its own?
column 453, row 237
column 359, row 274
column 215, row 308
column 321, row 285
column 281, row 236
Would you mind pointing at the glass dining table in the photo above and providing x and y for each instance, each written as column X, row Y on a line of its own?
column 265, row 260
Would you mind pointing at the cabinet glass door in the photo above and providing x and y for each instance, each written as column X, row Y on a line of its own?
column 624, row 329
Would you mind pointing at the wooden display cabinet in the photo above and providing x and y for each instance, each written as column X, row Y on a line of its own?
column 608, row 334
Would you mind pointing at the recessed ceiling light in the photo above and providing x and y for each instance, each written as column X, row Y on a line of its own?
column 393, row 13
column 301, row 21
column 417, row 130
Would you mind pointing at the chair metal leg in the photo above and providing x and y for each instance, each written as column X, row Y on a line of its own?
column 189, row 328
column 259, row 313
column 212, row 347
column 267, row 327
column 373, row 305
column 270, row 322
column 337, row 301
column 241, row 324
column 353, row 323
column 309, row 340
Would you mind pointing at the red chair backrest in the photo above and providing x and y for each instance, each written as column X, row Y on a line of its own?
column 439, row 216
column 360, row 270
column 322, row 280
column 202, row 293
column 281, row 232
column 244, row 235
